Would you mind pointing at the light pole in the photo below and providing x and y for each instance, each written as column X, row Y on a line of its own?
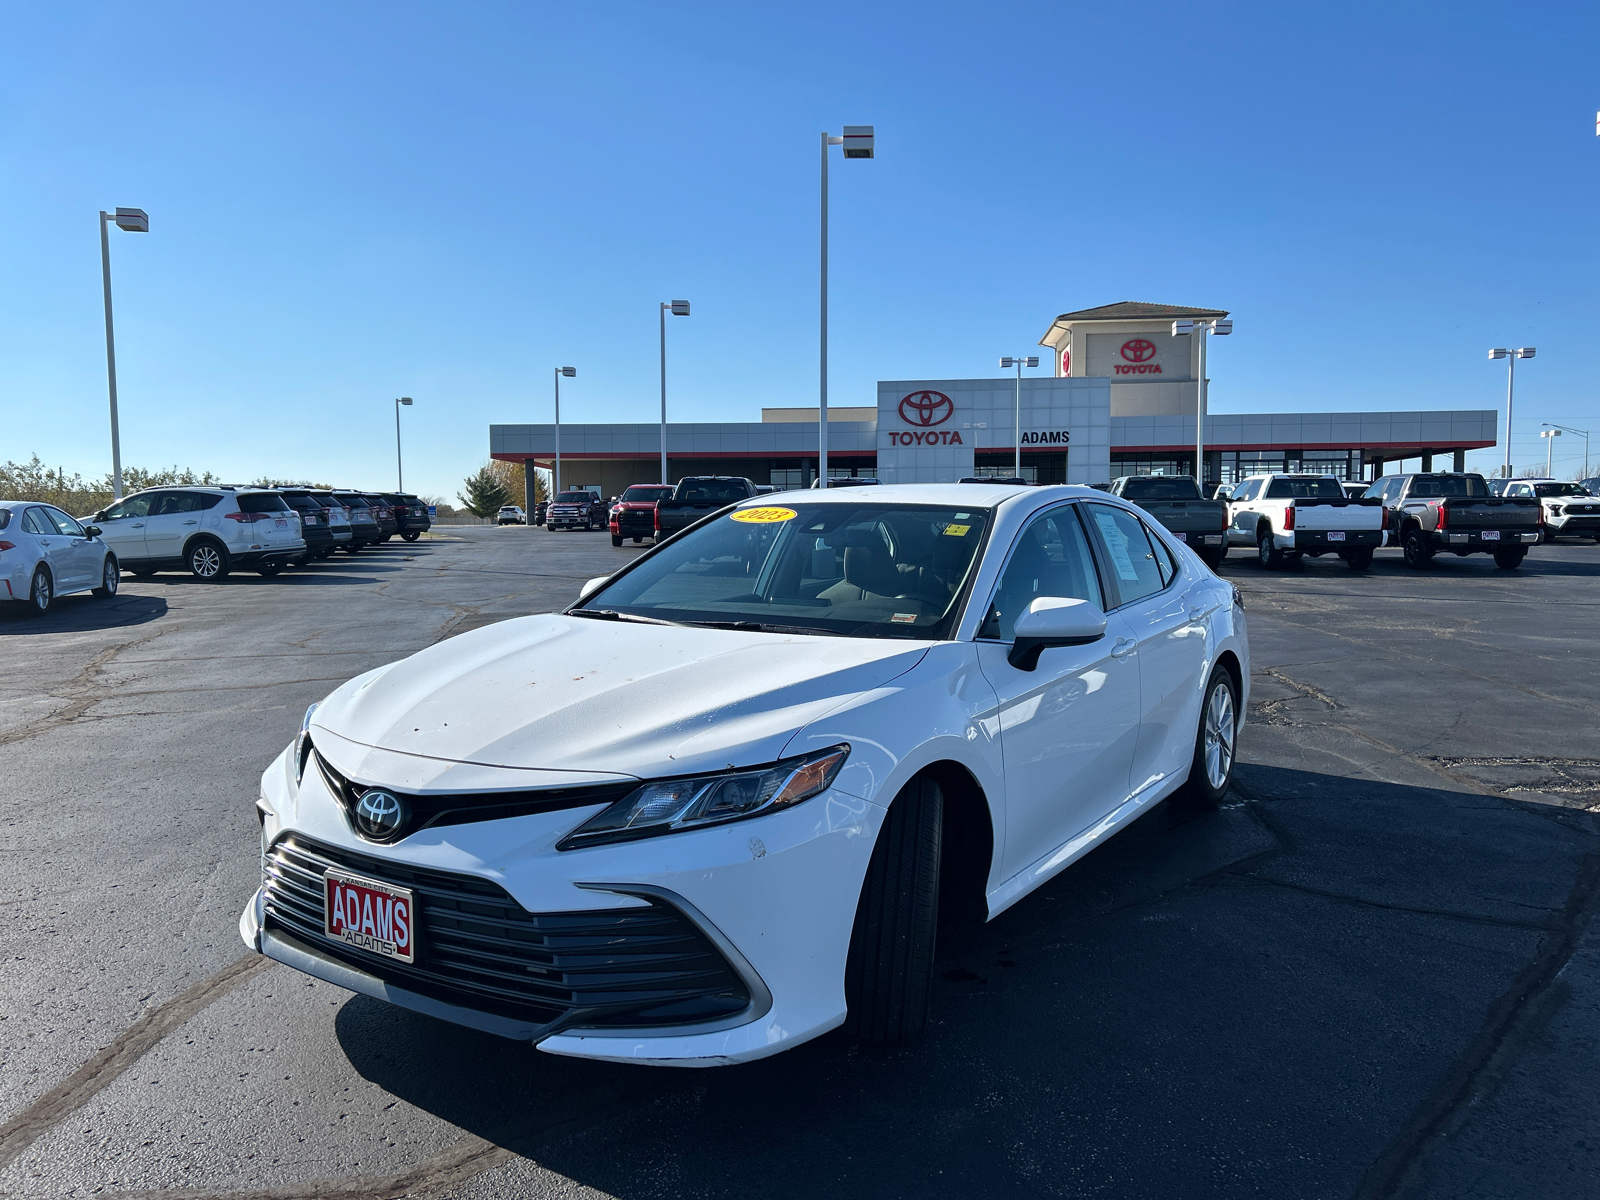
column 1583, row 433
column 569, row 372
column 678, row 308
column 1029, row 360
column 1511, row 357
column 858, row 143
column 133, row 220
column 1550, row 436
column 1221, row 327
column 399, row 468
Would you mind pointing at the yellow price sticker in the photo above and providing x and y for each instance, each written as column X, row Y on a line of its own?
column 764, row 516
column 956, row 530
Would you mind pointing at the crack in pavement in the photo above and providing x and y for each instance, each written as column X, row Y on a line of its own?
column 85, row 680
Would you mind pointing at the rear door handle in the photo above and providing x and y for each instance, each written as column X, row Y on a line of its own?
column 1123, row 647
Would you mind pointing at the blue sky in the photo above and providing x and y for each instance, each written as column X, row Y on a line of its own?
column 352, row 202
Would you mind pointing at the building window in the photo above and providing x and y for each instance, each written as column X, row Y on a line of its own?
column 1127, row 464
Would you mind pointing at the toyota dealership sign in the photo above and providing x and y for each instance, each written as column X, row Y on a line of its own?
column 923, row 411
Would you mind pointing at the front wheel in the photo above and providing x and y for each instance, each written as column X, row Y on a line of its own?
column 1359, row 559
column 110, row 579
column 888, row 976
column 412, row 536
column 207, row 562
column 1211, row 768
column 1511, row 558
column 615, row 540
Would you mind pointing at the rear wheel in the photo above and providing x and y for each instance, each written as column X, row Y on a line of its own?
column 637, row 540
column 207, row 561
column 40, row 592
column 1267, row 553
column 412, row 536
column 889, row 972
column 1211, row 769
column 1359, row 558
column 1511, row 557
column 110, row 578
column 268, row 569
column 1211, row 558
column 1416, row 549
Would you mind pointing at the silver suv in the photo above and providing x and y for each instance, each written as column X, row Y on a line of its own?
column 206, row 531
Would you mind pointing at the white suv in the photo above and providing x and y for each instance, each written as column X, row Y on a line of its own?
column 205, row 530
column 512, row 514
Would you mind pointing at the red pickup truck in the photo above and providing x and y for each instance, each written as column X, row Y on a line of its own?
column 634, row 513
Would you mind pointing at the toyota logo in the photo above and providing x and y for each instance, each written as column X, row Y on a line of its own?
column 927, row 408
column 1138, row 350
column 379, row 814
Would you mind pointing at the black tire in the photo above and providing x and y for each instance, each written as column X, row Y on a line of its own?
column 1358, row 559
column 1268, row 554
column 412, row 536
column 110, row 578
column 637, row 540
column 143, row 572
column 1597, row 537
column 1510, row 558
column 268, row 569
column 615, row 540
column 207, row 561
column 888, row 976
column 1215, row 744
column 1416, row 550
column 353, row 547
column 1211, row 558
column 41, row 591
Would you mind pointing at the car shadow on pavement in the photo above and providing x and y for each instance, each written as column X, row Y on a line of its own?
column 1256, row 999
column 83, row 614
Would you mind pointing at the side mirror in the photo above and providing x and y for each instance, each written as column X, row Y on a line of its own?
column 91, row 531
column 1054, row 621
column 591, row 587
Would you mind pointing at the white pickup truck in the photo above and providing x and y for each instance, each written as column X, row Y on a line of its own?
column 1295, row 516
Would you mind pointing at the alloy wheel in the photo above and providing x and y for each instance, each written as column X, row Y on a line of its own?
column 205, row 562
column 1219, row 735
column 110, row 577
column 40, row 592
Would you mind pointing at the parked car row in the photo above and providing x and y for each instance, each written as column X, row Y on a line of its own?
column 206, row 531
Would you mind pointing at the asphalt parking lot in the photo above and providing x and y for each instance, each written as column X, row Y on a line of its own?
column 1372, row 974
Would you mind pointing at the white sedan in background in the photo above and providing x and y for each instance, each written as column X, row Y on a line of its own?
column 45, row 553
column 718, row 806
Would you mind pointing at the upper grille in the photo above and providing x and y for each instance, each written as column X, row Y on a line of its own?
column 477, row 947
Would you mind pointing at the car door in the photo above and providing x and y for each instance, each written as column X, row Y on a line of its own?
column 122, row 528
column 1068, row 728
column 53, row 547
column 1241, row 518
column 84, row 555
column 172, row 518
column 1167, row 613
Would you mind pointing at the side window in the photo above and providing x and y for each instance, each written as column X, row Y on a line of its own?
column 164, row 504
column 1051, row 558
column 35, row 522
column 64, row 523
column 1134, row 572
column 1247, row 490
column 1164, row 563
column 133, row 506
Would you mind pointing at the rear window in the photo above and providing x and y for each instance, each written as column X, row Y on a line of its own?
column 1304, row 487
column 262, row 502
column 1435, row 486
column 1152, row 487
column 645, row 495
column 712, row 489
column 301, row 501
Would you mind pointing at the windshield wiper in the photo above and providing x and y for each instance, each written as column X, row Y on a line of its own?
column 611, row 614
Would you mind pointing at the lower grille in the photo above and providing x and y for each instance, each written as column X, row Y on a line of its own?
column 478, row 948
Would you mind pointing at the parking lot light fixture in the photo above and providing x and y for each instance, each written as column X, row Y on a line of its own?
column 570, row 373
column 678, row 308
column 858, row 142
column 1583, row 433
column 399, row 466
column 1020, row 361
column 1222, row 326
column 130, row 220
column 1550, row 436
column 1511, row 357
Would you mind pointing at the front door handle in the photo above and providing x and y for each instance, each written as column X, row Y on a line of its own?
column 138, row 524
column 191, row 521
column 1123, row 647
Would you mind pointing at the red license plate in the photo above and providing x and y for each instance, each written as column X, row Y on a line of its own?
column 370, row 915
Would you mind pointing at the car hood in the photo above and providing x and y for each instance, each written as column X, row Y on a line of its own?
column 558, row 693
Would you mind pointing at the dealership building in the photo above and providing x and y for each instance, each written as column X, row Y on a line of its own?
column 1121, row 400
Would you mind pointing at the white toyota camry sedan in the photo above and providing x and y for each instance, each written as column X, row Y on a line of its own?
column 719, row 805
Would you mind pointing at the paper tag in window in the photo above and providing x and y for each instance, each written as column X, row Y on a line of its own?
column 904, row 619
column 957, row 530
column 764, row 516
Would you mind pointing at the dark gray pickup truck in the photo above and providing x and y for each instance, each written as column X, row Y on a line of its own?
column 1175, row 503
column 1455, row 514
column 697, row 495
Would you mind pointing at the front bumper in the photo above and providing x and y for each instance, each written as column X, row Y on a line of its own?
column 1578, row 526
column 775, row 895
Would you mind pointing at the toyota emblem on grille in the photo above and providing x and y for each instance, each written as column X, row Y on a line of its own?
column 379, row 814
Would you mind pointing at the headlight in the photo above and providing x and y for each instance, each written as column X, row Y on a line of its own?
column 673, row 804
column 302, row 743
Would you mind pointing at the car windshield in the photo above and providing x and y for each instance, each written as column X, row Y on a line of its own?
column 712, row 489
column 1304, row 487
column 868, row 569
column 1427, row 486
column 645, row 495
column 1152, row 487
column 574, row 498
column 1559, row 489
